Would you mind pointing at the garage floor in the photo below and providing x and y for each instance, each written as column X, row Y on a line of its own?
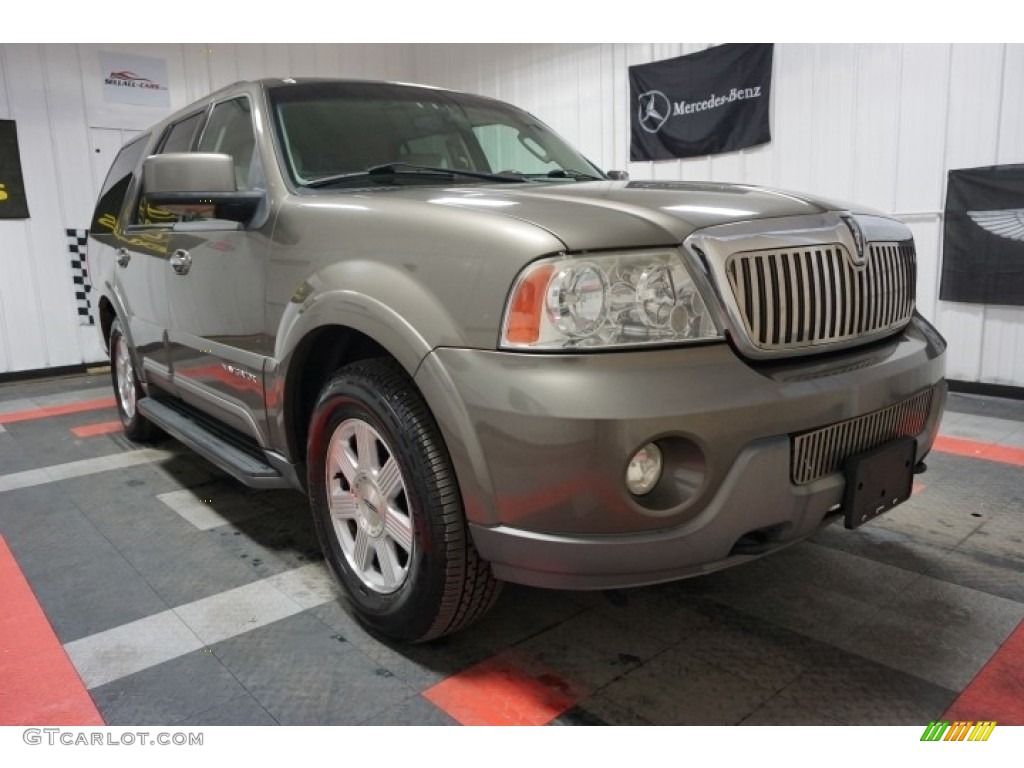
column 180, row 597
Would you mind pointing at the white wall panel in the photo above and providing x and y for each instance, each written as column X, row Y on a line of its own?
column 921, row 146
column 45, row 288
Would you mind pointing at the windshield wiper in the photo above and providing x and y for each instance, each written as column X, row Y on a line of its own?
column 570, row 173
column 408, row 169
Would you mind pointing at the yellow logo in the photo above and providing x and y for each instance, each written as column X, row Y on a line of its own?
column 3, row 194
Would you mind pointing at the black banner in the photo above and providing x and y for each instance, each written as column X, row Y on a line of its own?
column 13, row 204
column 983, row 238
column 701, row 104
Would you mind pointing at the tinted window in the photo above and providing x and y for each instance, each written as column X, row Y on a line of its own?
column 179, row 139
column 335, row 128
column 111, row 200
column 229, row 131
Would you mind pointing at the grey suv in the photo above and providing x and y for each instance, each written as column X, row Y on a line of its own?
column 483, row 359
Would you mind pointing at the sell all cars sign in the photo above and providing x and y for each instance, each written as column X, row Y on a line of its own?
column 705, row 103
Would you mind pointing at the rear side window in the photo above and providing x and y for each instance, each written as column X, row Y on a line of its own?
column 181, row 134
column 111, row 200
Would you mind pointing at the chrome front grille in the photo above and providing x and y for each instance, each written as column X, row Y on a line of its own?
column 802, row 297
column 823, row 451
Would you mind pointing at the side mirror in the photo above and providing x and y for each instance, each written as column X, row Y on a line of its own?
column 618, row 175
column 197, row 182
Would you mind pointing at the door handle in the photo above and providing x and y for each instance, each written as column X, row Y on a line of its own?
column 123, row 257
column 181, row 262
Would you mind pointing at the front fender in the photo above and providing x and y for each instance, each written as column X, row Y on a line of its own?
column 379, row 300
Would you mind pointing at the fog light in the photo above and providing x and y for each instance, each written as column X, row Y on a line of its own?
column 644, row 470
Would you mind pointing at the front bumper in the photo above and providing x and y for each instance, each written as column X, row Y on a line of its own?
column 540, row 445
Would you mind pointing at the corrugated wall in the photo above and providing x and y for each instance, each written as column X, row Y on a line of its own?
column 879, row 124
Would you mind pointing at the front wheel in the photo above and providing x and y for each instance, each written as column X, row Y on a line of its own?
column 387, row 507
column 127, row 388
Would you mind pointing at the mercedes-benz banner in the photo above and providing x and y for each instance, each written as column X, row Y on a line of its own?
column 983, row 238
column 702, row 104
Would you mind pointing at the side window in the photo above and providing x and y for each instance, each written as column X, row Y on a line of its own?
column 179, row 138
column 119, row 177
column 230, row 132
column 505, row 152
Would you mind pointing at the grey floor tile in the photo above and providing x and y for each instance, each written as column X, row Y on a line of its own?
column 413, row 711
column 983, row 405
column 942, row 655
column 986, row 429
column 667, row 612
column 277, row 541
column 168, row 692
column 819, row 613
column 782, row 709
column 244, row 710
column 59, row 539
column 1002, row 534
column 181, row 563
column 418, row 666
column 50, row 441
column 858, row 577
column 966, row 610
column 897, row 548
column 10, row 402
column 578, row 716
column 13, row 458
column 992, row 573
column 604, row 709
column 676, row 689
column 858, row 691
column 937, row 518
column 302, row 675
column 752, row 648
column 94, row 595
column 592, row 649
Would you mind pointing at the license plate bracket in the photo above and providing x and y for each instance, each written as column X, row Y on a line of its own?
column 878, row 480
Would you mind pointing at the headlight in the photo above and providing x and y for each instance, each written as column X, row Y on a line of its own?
column 605, row 301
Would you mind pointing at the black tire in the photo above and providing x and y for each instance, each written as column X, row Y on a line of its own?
column 445, row 585
column 136, row 426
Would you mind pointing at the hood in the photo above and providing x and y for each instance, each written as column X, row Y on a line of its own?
column 617, row 214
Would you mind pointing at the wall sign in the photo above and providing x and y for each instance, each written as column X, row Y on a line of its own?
column 130, row 79
column 13, row 203
column 983, row 236
column 702, row 104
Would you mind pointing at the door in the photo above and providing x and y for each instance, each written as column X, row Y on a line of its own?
column 216, row 290
column 136, row 275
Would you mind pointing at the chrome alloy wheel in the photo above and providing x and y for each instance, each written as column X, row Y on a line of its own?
column 125, row 378
column 369, row 506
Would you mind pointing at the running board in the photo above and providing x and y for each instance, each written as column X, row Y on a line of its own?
column 216, row 445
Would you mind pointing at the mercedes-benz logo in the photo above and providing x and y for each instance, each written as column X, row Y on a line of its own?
column 653, row 110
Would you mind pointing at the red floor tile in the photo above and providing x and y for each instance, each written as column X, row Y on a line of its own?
column 40, row 684
column 997, row 691
column 505, row 690
column 102, row 428
column 56, row 410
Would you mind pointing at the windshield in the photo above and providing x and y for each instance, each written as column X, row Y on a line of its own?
column 330, row 130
